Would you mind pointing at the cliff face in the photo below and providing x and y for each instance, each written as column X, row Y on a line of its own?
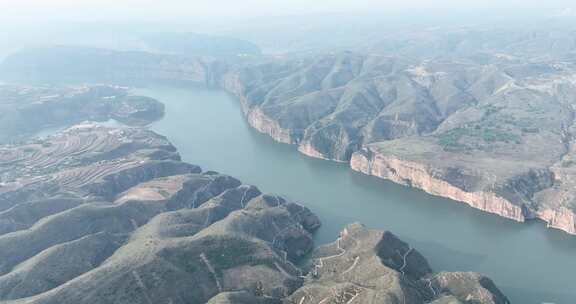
column 493, row 198
column 563, row 218
column 314, row 103
column 258, row 119
column 462, row 130
column 507, row 123
column 112, row 215
column 264, row 124
column 418, row 176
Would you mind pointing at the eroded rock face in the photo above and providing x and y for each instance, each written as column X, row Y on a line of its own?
column 496, row 134
column 367, row 266
column 494, row 130
column 417, row 175
column 107, row 215
column 535, row 193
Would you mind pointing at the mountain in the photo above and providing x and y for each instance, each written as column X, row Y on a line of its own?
column 497, row 135
column 70, row 64
column 112, row 215
column 481, row 116
column 26, row 110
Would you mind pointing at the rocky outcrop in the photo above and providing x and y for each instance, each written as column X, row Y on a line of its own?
column 533, row 195
column 264, row 124
column 562, row 218
column 467, row 287
column 419, row 176
column 458, row 129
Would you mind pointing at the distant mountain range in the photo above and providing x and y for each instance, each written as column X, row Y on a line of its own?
column 480, row 116
column 112, row 215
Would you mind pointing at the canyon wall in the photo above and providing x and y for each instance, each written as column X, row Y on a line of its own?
column 95, row 214
column 335, row 107
column 426, row 178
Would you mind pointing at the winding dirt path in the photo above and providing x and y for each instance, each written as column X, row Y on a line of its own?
column 212, row 271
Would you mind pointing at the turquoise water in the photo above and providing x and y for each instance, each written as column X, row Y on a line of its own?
column 530, row 263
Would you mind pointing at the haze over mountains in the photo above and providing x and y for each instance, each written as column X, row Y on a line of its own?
column 480, row 114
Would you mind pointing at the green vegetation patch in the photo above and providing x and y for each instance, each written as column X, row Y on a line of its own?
column 164, row 193
column 228, row 253
column 451, row 138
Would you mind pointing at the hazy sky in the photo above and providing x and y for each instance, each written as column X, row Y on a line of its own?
column 159, row 9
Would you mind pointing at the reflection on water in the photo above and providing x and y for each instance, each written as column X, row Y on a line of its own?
column 209, row 130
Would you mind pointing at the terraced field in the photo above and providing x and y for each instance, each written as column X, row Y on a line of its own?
column 112, row 215
column 80, row 195
column 26, row 110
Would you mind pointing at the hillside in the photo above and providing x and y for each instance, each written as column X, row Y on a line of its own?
column 106, row 215
column 496, row 135
column 26, row 110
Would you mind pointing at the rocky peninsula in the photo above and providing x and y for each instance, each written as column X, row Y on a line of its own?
column 26, row 110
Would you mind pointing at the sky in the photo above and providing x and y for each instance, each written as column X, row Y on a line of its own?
column 14, row 10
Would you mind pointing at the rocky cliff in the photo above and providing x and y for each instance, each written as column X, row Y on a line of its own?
column 415, row 174
column 495, row 133
column 111, row 215
column 493, row 129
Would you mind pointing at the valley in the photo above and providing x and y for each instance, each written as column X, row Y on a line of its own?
column 487, row 121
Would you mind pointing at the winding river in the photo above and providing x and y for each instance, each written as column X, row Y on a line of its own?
column 530, row 263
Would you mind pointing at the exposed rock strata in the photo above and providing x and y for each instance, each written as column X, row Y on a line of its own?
column 497, row 137
column 418, row 175
column 106, row 215
column 492, row 130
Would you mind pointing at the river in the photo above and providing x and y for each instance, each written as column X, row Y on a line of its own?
column 531, row 264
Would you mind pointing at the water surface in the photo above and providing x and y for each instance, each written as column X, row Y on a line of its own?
column 529, row 263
